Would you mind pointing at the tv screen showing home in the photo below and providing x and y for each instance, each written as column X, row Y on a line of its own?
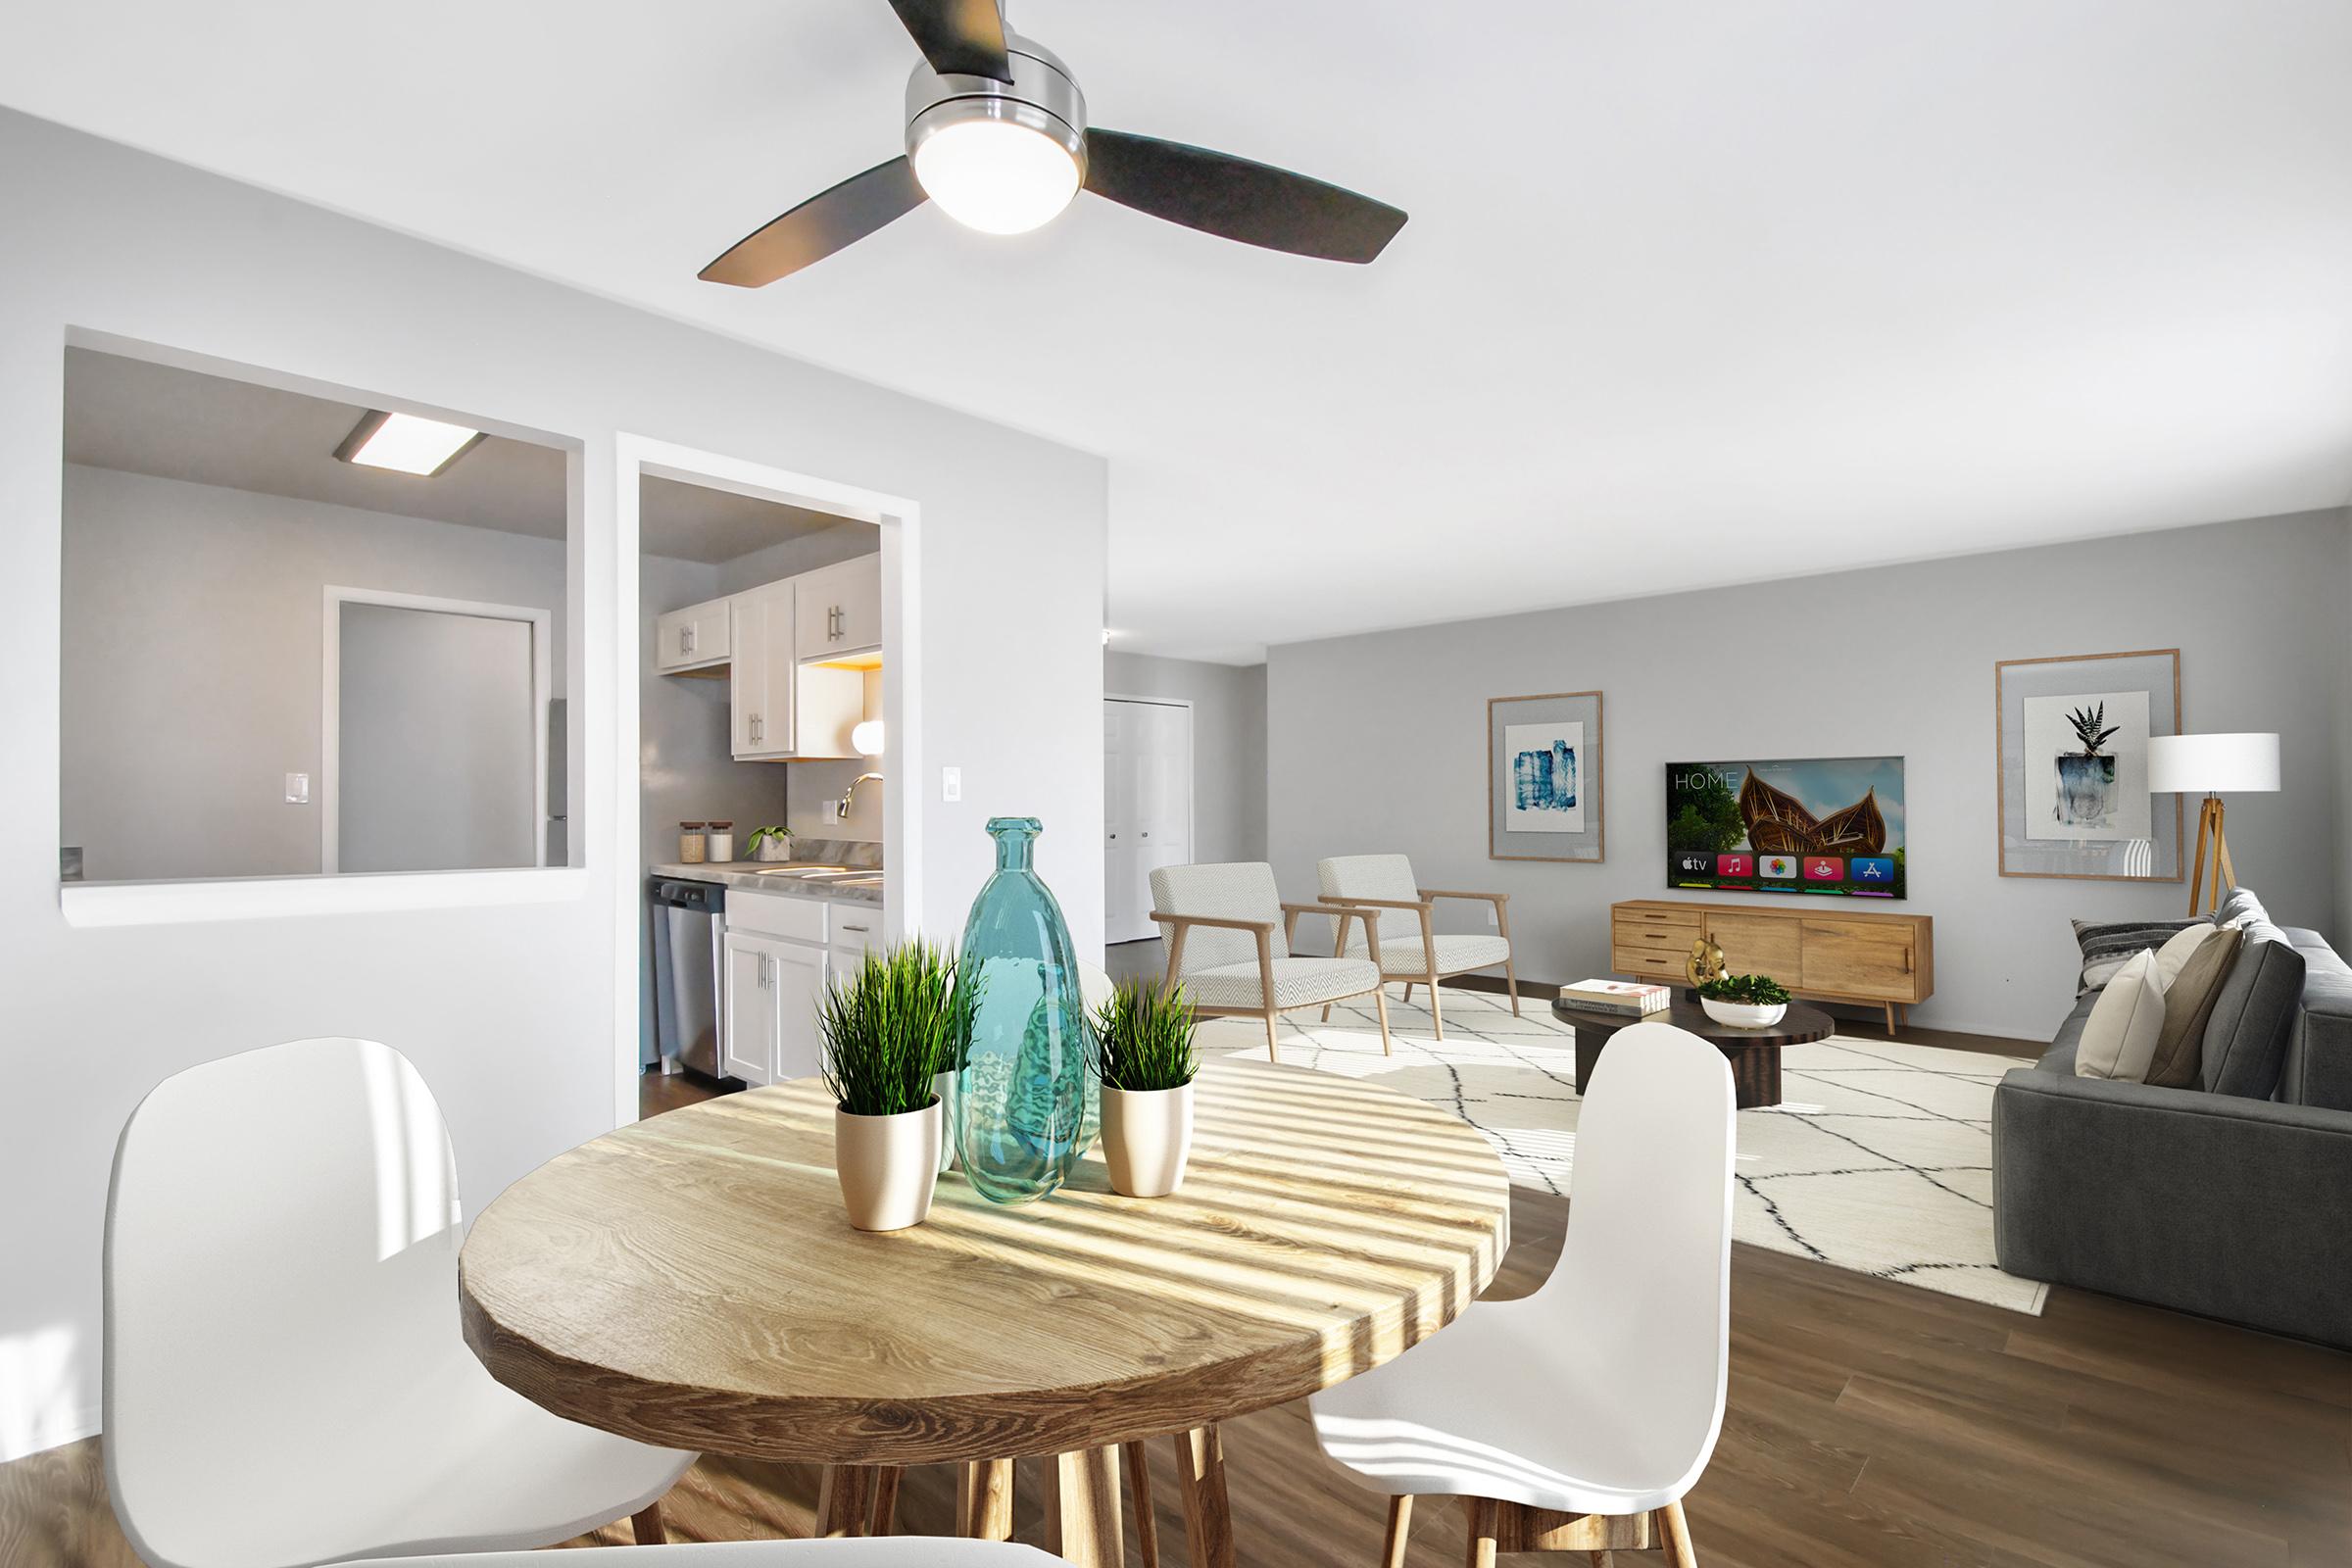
column 1826, row 825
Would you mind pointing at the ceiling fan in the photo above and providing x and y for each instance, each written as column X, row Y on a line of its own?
column 997, row 135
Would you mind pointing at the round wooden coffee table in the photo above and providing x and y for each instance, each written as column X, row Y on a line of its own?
column 691, row 1281
column 1754, row 1054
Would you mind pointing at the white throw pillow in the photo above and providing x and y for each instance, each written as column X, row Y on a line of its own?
column 2119, row 1038
column 2181, row 947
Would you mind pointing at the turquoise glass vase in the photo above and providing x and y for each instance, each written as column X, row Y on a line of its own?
column 1022, row 1095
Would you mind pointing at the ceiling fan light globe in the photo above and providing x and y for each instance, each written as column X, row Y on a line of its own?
column 996, row 176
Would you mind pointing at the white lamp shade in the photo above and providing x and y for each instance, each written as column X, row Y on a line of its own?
column 2213, row 765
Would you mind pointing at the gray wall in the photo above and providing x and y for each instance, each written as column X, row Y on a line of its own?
column 1893, row 661
column 524, row 1031
column 1229, row 744
column 193, row 641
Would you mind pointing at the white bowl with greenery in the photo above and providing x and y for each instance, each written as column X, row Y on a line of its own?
column 887, row 1029
column 1744, row 1000
column 1143, row 1053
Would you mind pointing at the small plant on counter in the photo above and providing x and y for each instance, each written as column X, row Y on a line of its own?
column 1145, row 1035
column 1749, row 990
column 887, row 1030
column 768, row 838
column 1144, row 1054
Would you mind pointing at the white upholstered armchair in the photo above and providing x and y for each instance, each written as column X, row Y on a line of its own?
column 1229, row 946
column 1411, row 949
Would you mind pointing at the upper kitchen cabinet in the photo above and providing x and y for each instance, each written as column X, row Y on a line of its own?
column 781, row 710
column 840, row 609
column 699, row 637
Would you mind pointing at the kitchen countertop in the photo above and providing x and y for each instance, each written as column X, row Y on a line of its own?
column 778, row 878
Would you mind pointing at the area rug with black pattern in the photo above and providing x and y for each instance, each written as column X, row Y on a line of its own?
column 1879, row 1158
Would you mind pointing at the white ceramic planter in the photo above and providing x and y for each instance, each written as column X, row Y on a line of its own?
column 1744, row 1014
column 888, row 1165
column 1146, row 1135
column 944, row 1086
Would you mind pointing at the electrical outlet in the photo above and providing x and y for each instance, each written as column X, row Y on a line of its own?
column 298, row 789
column 950, row 783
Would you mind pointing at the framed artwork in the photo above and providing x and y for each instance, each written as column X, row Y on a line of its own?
column 2071, row 742
column 1544, row 777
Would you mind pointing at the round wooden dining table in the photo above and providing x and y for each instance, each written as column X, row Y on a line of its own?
column 691, row 1281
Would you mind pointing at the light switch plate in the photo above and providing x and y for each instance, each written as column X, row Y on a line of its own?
column 950, row 783
column 298, row 789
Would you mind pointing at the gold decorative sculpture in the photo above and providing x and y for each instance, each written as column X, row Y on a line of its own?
column 1706, row 962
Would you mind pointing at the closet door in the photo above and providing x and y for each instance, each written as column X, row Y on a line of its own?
column 1147, row 808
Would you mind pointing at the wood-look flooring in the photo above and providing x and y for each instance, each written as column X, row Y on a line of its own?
column 1869, row 1425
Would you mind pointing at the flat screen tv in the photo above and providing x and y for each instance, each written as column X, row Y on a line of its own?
column 1828, row 826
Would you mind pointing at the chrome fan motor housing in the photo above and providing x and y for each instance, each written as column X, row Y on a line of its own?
column 1042, row 96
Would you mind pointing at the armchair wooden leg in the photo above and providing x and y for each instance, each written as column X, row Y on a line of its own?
column 1273, row 1046
column 645, row 1525
column 1408, row 993
column 1484, row 1515
column 1327, row 1012
column 1380, row 999
column 1400, row 1521
column 1436, row 1019
column 1510, row 980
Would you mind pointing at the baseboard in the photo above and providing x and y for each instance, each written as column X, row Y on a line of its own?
column 78, row 1424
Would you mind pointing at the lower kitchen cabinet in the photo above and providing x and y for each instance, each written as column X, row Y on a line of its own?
column 775, row 987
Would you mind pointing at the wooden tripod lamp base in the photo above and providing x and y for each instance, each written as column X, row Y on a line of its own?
column 2209, row 765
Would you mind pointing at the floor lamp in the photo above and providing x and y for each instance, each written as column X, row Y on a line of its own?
column 2208, row 764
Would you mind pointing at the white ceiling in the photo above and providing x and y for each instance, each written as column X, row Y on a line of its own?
column 1692, row 293
column 176, row 423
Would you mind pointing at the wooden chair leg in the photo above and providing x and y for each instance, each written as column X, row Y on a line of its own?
column 1327, row 1012
column 1208, row 1519
column 645, row 1525
column 843, row 1500
column 1400, row 1521
column 1484, row 1515
column 1511, row 979
column 1436, row 1019
column 1273, row 1046
column 886, row 1500
column 984, row 1500
column 1138, row 1497
column 1380, row 999
column 1674, row 1532
column 1408, row 993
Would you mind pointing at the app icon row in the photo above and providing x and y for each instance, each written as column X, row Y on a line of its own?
column 1867, row 870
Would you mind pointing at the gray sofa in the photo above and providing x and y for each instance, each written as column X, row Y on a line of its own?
column 2232, row 1199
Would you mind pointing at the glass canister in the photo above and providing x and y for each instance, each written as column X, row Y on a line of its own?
column 690, row 843
column 718, row 842
column 1022, row 1097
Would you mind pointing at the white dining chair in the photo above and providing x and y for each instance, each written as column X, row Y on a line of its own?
column 286, row 1380
column 899, row 1552
column 1576, row 1418
column 1402, row 911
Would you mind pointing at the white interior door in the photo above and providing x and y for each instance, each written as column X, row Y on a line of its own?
column 1147, row 806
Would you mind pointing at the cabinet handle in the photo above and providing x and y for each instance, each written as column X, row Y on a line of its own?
column 755, row 729
column 846, row 927
column 685, row 639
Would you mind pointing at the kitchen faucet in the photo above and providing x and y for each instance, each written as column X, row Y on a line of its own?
column 841, row 808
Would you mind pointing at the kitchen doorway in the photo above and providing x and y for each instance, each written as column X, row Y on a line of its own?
column 1147, row 805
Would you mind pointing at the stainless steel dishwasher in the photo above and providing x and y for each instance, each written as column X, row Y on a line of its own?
column 690, row 924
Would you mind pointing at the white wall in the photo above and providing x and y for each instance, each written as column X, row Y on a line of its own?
column 1378, row 742
column 193, row 650
column 517, row 1032
column 1229, row 744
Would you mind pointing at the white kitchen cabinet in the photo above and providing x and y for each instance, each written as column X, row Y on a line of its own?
column 774, row 986
column 761, row 680
column 856, row 931
column 696, row 637
column 840, row 609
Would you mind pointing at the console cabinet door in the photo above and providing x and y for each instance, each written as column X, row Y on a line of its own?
column 1859, row 958
column 1759, row 944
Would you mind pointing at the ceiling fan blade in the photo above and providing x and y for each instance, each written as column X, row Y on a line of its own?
column 821, row 226
column 1237, row 199
column 959, row 37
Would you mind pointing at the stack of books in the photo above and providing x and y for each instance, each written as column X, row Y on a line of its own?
column 1632, row 997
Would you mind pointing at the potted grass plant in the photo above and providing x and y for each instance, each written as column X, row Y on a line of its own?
column 1145, row 1058
column 887, row 1028
column 1744, row 1000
